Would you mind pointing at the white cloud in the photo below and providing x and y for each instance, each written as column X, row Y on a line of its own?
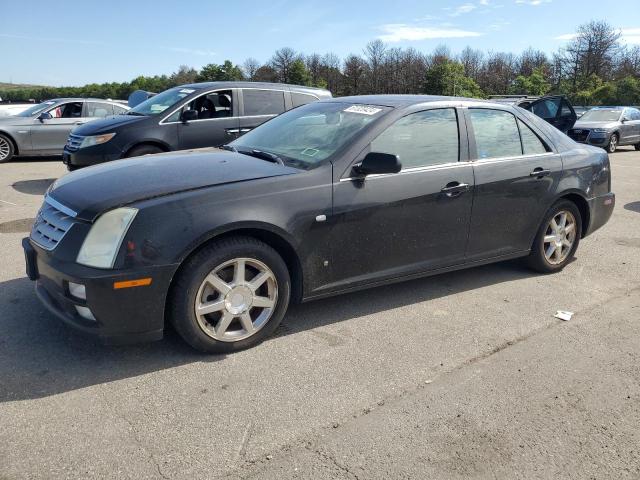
column 462, row 9
column 566, row 36
column 397, row 32
column 533, row 3
column 484, row 2
column 630, row 35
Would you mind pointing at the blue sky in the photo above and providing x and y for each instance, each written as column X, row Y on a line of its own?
column 77, row 42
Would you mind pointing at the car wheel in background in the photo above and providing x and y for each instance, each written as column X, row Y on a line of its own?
column 613, row 143
column 557, row 239
column 637, row 145
column 143, row 150
column 230, row 295
column 6, row 149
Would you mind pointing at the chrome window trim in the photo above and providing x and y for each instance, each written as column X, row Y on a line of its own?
column 408, row 171
column 57, row 205
column 511, row 158
column 162, row 122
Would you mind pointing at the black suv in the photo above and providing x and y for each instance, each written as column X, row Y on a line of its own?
column 555, row 109
column 190, row 116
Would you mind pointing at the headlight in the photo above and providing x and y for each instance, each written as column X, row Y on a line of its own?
column 600, row 130
column 96, row 140
column 103, row 242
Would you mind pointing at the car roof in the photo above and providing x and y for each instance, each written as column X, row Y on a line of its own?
column 266, row 85
column 79, row 99
column 400, row 101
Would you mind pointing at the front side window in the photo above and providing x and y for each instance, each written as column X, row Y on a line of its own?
column 99, row 109
column 496, row 133
column 67, row 110
column 531, row 144
column 305, row 136
column 211, row 105
column 262, row 102
column 421, row 139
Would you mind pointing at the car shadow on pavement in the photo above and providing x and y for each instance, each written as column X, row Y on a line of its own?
column 33, row 187
column 39, row 356
column 633, row 206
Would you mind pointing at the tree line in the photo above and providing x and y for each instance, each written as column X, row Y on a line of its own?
column 594, row 68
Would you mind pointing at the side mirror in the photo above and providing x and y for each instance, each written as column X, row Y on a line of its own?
column 44, row 116
column 376, row 163
column 625, row 119
column 189, row 115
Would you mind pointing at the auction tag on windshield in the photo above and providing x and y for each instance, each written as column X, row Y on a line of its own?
column 363, row 109
column 186, row 90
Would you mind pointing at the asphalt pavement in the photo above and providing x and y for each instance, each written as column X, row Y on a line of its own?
column 463, row 375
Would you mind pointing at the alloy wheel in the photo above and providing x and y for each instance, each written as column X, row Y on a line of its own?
column 613, row 143
column 559, row 237
column 236, row 299
column 5, row 149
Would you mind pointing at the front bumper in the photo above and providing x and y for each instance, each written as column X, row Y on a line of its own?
column 600, row 210
column 126, row 315
column 85, row 157
column 598, row 139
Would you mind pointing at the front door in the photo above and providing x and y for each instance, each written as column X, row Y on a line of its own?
column 50, row 135
column 515, row 177
column 417, row 220
column 217, row 122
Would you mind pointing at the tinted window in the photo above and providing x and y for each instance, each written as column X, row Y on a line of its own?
column 635, row 114
column 531, row 144
column 118, row 109
column 420, row 139
column 566, row 110
column 298, row 99
column 263, row 102
column 546, row 108
column 212, row 105
column 496, row 133
column 99, row 109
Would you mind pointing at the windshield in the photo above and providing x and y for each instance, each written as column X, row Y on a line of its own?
column 35, row 109
column 159, row 103
column 307, row 135
column 601, row 115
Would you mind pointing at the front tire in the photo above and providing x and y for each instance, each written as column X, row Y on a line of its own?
column 613, row 143
column 7, row 150
column 143, row 150
column 557, row 239
column 230, row 295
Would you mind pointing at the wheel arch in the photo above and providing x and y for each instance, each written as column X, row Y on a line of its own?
column 12, row 140
column 266, row 233
column 155, row 143
column 583, row 207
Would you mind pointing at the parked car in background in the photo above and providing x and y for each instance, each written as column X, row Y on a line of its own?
column 43, row 129
column 608, row 127
column 555, row 109
column 190, row 116
column 331, row 197
column 580, row 110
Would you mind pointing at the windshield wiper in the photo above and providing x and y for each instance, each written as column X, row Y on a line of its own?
column 271, row 157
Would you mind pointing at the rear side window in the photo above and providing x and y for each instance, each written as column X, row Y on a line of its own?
column 298, row 99
column 531, row 144
column 118, row 109
column 565, row 111
column 496, row 133
column 99, row 109
column 263, row 102
column 546, row 108
column 421, row 139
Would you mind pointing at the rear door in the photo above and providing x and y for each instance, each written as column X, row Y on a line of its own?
column 259, row 105
column 516, row 175
column 217, row 122
column 50, row 136
column 556, row 110
column 94, row 110
column 412, row 221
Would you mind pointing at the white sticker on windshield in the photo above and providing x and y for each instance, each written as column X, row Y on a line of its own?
column 363, row 109
column 187, row 90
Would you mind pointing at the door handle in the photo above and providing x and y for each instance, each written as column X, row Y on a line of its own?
column 232, row 131
column 78, row 123
column 540, row 172
column 453, row 189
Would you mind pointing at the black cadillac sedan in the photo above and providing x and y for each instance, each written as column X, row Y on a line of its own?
column 327, row 198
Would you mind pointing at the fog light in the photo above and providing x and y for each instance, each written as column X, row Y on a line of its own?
column 77, row 290
column 84, row 312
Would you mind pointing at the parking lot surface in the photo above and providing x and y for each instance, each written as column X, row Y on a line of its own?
column 463, row 375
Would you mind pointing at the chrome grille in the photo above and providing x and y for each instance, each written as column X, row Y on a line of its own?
column 73, row 142
column 51, row 225
column 579, row 134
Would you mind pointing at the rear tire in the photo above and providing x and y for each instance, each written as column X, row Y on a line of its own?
column 613, row 143
column 553, row 248
column 7, row 150
column 143, row 150
column 230, row 295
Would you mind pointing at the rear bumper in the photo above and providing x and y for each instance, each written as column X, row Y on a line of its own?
column 600, row 210
column 125, row 315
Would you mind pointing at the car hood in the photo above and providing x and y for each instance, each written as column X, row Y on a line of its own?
column 607, row 125
column 107, row 125
column 93, row 190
